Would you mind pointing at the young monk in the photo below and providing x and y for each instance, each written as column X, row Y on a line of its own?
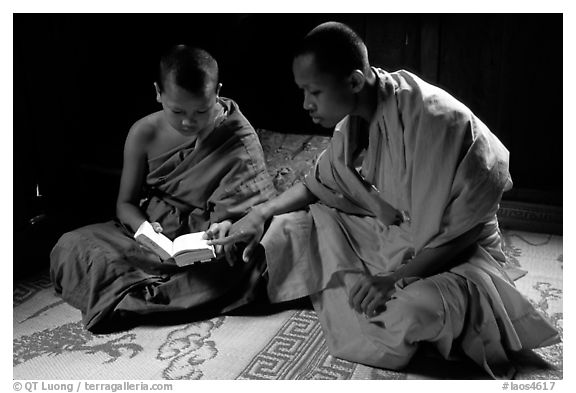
column 394, row 234
column 195, row 165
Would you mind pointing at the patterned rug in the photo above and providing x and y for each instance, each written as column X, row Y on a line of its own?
column 49, row 341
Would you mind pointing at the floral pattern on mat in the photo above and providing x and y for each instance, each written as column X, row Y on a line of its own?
column 187, row 347
column 72, row 337
column 541, row 256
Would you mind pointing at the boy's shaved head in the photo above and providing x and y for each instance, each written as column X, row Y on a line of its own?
column 337, row 49
column 192, row 69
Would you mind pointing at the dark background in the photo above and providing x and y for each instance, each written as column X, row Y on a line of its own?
column 81, row 81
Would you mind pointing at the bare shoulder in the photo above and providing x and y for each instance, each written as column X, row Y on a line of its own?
column 144, row 131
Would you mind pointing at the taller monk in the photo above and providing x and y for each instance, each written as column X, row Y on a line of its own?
column 193, row 166
column 394, row 234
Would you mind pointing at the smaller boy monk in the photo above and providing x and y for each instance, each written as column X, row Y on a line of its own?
column 196, row 165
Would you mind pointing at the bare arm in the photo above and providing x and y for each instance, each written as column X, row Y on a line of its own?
column 132, row 180
column 250, row 228
column 295, row 198
column 431, row 261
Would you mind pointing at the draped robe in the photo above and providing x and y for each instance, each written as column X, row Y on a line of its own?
column 115, row 282
column 431, row 172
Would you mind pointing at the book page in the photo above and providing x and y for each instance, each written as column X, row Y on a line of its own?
column 190, row 241
column 156, row 241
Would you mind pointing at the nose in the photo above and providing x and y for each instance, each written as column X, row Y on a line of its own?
column 188, row 122
column 307, row 104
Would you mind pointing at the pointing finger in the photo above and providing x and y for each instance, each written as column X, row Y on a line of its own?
column 235, row 238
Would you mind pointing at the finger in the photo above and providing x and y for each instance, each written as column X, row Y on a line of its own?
column 354, row 291
column 218, row 249
column 217, row 232
column 249, row 251
column 359, row 296
column 370, row 295
column 209, row 234
column 235, row 238
column 157, row 227
column 230, row 252
column 225, row 227
column 374, row 306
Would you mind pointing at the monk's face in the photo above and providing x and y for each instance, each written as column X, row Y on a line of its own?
column 188, row 113
column 327, row 98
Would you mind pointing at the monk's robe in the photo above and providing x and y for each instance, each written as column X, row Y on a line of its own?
column 431, row 172
column 115, row 282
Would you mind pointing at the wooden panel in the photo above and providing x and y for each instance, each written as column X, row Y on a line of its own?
column 503, row 68
column 393, row 41
column 430, row 48
column 470, row 63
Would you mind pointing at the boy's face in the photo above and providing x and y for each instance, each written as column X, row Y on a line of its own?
column 188, row 113
column 327, row 99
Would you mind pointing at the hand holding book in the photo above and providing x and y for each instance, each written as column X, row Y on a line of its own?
column 186, row 249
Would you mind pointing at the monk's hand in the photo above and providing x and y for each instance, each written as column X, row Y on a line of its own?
column 249, row 229
column 157, row 227
column 370, row 294
column 219, row 230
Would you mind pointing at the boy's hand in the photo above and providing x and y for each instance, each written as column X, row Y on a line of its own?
column 370, row 294
column 249, row 229
column 219, row 230
column 157, row 227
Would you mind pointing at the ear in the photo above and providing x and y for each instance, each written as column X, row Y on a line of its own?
column 158, row 94
column 356, row 81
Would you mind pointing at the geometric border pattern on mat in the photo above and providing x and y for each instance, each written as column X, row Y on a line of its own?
column 298, row 351
column 25, row 289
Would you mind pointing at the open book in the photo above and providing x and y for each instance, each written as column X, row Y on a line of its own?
column 186, row 249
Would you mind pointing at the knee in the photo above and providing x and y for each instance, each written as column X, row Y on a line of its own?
column 70, row 249
column 68, row 239
column 63, row 245
column 66, row 243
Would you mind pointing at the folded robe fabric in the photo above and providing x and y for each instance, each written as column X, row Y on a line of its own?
column 104, row 272
column 431, row 172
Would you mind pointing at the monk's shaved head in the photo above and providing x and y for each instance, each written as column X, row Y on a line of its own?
column 336, row 48
column 193, row 69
